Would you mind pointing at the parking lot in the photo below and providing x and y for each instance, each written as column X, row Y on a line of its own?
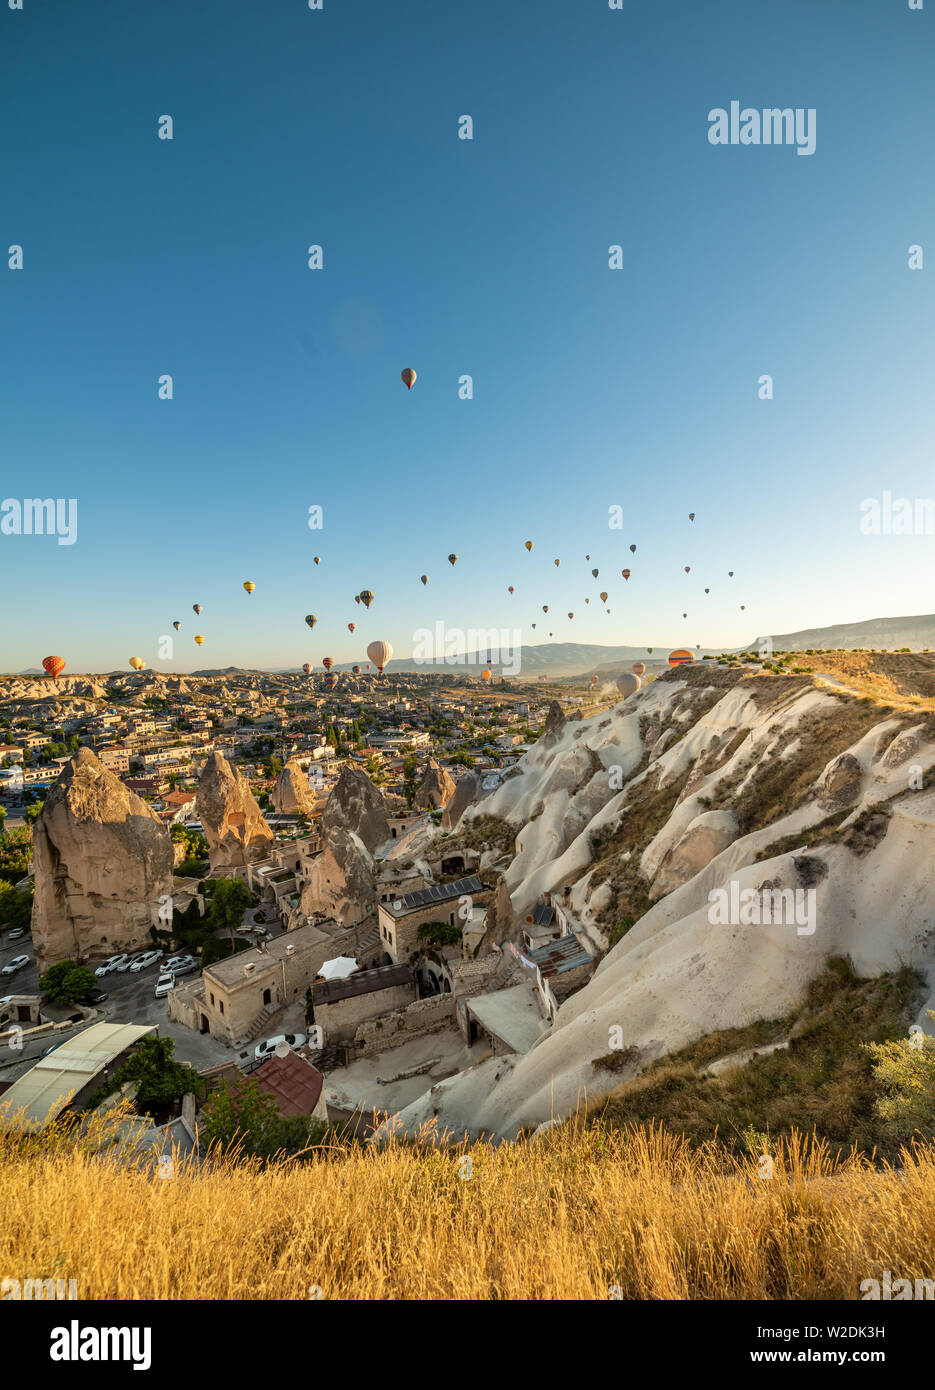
column 130, row 1000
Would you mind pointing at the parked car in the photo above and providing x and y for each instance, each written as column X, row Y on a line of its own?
column 16, row 933
column 163, row 985
column 175, row 961
column 147, row 959
column 182, row 967
column 94, row 996
column 15, row 964
column 129, row 961
column 111, row 964
column 266, row 1049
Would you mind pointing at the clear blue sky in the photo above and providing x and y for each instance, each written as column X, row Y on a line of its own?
column 487, row 257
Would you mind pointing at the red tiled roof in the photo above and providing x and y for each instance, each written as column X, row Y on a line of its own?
column 294, row 1084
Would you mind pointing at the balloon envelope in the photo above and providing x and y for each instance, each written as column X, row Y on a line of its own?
column 197, row 607
column 485, row 676
column 408, row 376
column 249, row 585
column 626, row 573
column 311, row 619
column 425, row 579
column 200, row 640
column 327, row 662
column 137, row 663
column 176, row 626
column 680, row 656
column 380, row 654
column 54, row 665
column 366, row 597
column 628, row 683
column 638, row 668
column 452, row 559
column 306, row 668
column 529, row 545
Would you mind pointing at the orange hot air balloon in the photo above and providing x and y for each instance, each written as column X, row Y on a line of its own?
column 200, row 641
column 408, row 377
column 571, row 615
column 54, row 665
column 638, row 668
column 327, row 662
column 380, row 654
column 485, row 676
column 529, row 545
column 626, row 573
column 137, row 663
column 680, row 656
column 351, row 626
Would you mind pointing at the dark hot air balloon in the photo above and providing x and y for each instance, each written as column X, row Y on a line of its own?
column 366, row 597
column 310, row 619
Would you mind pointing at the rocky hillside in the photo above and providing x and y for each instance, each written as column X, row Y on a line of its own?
column 707, row 779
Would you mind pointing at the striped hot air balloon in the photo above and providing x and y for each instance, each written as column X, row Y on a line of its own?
column 680, row 656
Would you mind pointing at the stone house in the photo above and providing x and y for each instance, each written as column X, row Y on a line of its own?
column 399, row 921
column 342, row 1005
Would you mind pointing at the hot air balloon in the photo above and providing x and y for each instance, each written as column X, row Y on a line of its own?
column 408, row 377
column 356, row 670
column 351, row 626
column 688, row 569
column 177, row 626
column 249, row 585
column 317, row 559
column 628, row 683
column 742, row 607
column 650, row 650
column 684, row 615
column 632, row 549
column 603, row 596
column 330, row 682
column 529, row 545
column 595, row 573
column 533, row 624
column 691, row 516
column 306, row 668
column 380, row 654
column 54, row 665
column 707, row 591
column 368, row 665
column 311, row 619
column 638, row 668
column 200, row 641
column 327, row 662
column 557, row 563
column 366, row 597
column 425, row 579
column 452, row 559
column 510, row 589
column 587, row 600
column 571, row 615
column 137, row 663
column 626, row 573
column 551, row 634
column 197, row 607
column 730, row 574
column 485, row 676
column 680, row 656
column 545, row 608
column 592, row 682
column 357, row 598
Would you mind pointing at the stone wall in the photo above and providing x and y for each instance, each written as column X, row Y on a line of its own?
column 423, row 1017
column 340, row 1018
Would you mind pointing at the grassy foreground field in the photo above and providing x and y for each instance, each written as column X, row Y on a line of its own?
column 570, row 1216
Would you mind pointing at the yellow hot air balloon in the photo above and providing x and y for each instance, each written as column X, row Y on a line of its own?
column 249, row 585
column 529, row 545
column 366, row 597
column 200, row 640
column 408, row 377
column 137, row 663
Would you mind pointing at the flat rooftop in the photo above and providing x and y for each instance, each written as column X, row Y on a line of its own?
column 229, row 971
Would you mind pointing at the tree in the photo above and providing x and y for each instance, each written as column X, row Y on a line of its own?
column 410, row 782
column 67, row 981
column 440, row 934
column 15, row 906
column 33, row 812
column 246, row 1118
column 2, row 820
column 73, row 744
column 229, row 900
column 905, row 1071
column 160, row 1078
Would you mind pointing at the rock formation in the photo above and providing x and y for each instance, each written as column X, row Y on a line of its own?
column 102, row 862
column 840, row 783
column 291, row 794
column 704, row 839
column 436, row 788
column 341, row 879
column 464, row 793
column 232, row 821
column 554, row 724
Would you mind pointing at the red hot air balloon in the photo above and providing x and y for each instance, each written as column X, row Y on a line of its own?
column 351, row 626
column 327, row 662
column 626, row 573
column 54, row 665
column 510, row 589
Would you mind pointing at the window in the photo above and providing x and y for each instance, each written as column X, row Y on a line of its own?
column 222, row 1006
column 212, row 1000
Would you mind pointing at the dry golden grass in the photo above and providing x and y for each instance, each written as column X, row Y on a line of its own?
column 567, row 1217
